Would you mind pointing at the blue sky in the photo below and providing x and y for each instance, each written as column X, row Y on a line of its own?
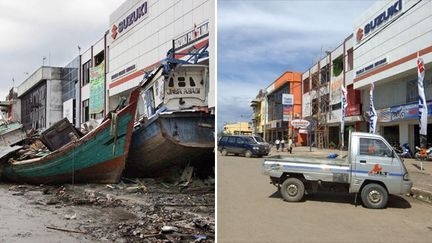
column 259, row 40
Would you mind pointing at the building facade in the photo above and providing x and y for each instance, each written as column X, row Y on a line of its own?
column 268, row 110
column 143, row 32
column 238, row 128
column 92, row 93
column 322, row 96
column 41, row 98
column 389, row 37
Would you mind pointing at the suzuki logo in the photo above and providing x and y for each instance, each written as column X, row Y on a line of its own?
column 114, row 32
column 359, row 34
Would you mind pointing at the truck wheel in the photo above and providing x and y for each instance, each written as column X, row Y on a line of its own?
column 374, row 196
column 292, row 190
column 224, row 152
column 248, row 154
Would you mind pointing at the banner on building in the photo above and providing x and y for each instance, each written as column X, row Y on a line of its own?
column 335, row 92
column 97, row 89
column 287, row 102
column 372, row 111
column 287, row 112
column 401, row 112
column 422, row 106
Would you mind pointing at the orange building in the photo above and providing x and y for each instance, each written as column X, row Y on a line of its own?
column 273, row 125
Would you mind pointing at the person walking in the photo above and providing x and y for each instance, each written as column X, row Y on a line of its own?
column 277, row 142
column 282, row 144
column 290, row 144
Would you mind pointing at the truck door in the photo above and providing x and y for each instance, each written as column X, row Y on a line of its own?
column 375, row 161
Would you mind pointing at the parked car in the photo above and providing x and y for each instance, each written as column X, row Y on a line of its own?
column 247, row 145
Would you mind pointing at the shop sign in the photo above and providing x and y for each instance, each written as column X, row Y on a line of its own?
column 335, row 91
column 195, row 34
column 353, row 110
column 287, row 99
column 287, row 112
column 401, row 112
column 300, row 123
column 138, row 14
column 382, row 18
column 371, row 66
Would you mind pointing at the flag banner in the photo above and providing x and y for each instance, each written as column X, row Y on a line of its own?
column 422, row 106
column 372, row 112
column 287, row 112
column 344, row 105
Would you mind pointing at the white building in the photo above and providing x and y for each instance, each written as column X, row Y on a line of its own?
column 389, row 36
column 143, row 31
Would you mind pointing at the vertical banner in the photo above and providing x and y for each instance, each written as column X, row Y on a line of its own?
column 287, row 102
column 422, row 106
column 343, row 108
column 373, row 114
column 97, row 89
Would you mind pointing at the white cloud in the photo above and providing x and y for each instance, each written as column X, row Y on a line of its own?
column 32, row 29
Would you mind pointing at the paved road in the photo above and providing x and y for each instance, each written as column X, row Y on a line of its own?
column 250, row 210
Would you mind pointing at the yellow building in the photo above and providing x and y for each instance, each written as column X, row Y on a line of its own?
column 238, row 128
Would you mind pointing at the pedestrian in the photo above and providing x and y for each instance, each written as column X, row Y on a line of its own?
column 277, row 142
column 282, row 144
column 290, row 144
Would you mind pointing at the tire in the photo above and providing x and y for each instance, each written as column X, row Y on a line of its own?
column 374, row 196
column 248, row 154
column 224, row 152
column 292, row 190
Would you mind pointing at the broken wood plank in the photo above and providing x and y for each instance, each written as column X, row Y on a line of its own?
column 66, row 230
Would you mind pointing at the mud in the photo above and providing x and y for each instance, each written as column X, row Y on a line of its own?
column 131, row 211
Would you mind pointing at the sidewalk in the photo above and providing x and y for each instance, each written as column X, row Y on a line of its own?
column 422, row 188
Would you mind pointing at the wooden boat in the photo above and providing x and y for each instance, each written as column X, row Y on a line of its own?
column 97, row 157
column 172, row 139
column 175, row 127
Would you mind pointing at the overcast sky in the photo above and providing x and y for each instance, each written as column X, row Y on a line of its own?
column 33, row 29
column 259, row 40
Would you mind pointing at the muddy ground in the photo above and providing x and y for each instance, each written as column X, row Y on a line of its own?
column 144, row 210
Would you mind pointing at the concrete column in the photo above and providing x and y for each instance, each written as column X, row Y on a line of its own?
column 403, row 132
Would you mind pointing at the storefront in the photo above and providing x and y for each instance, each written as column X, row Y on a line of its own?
column 141, row 34
column 389, row 37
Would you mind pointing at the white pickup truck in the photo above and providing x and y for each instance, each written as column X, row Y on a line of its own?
column 370, row 168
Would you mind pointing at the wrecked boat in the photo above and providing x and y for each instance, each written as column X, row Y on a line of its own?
column 97, row 157
column 175, row 126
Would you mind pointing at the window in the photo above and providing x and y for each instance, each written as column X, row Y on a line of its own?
column 374, row 147
column 306, row 86
column 315, row 81
column 336, row 106
column 181, row 82
column 231, row 139
column 99, row 58
column 412, row 91
column 324, row 103
column 240, row 141
column 325, row 74
column 192, row 82
column 171, row 82
column 337, row 66
column 259, row 139
column 224, row 139
column 85, row 110
column 86, row 73
column 350, row 60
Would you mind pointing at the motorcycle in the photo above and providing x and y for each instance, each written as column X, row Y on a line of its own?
column 406, row 151
column 423, row 154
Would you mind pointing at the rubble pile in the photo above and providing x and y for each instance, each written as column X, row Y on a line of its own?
column 134, row 210
column 34, row 150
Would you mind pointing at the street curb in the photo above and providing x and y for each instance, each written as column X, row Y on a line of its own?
column 421, row 194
